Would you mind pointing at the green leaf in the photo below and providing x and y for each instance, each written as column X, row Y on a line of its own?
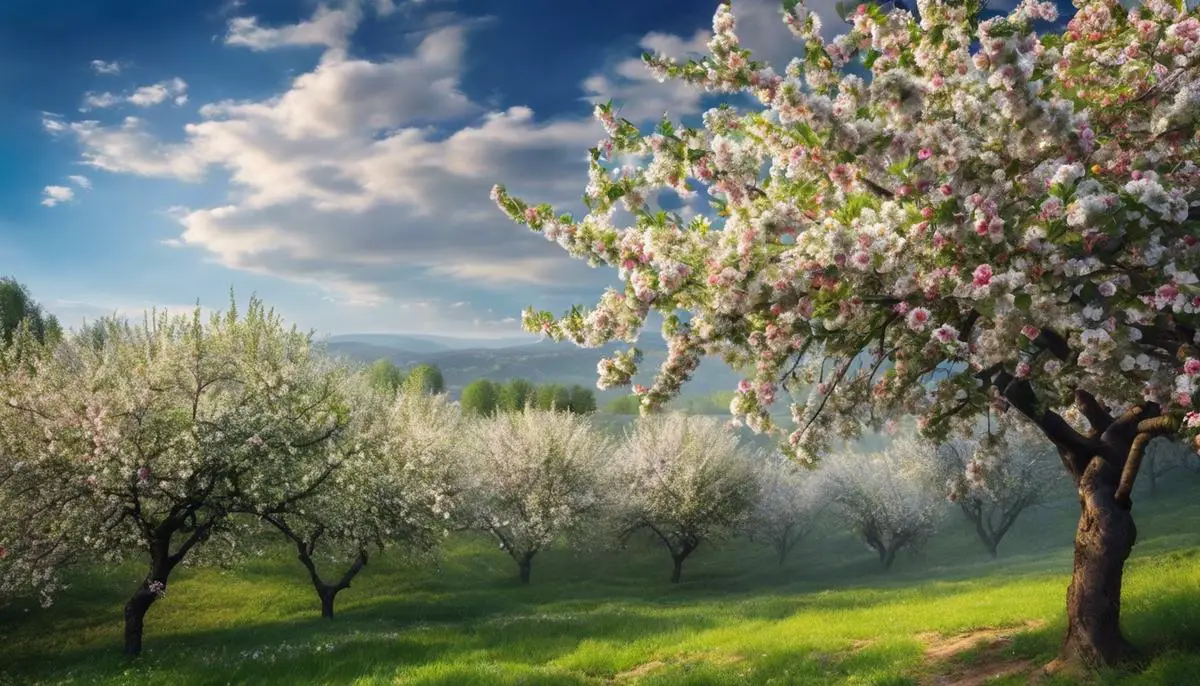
column 1023, row 301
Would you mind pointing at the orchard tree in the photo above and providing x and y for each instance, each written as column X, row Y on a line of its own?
column 552, row 397
column 142, row 441
column 790, row 500
column 891, row 497
column 396, row 487
column 480, row 397
column 1163, row 456
column 685, row 479
column 535, row 477
column 995, row 478
column 934, row 216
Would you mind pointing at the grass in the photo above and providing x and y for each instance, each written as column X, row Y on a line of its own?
column 828, row 617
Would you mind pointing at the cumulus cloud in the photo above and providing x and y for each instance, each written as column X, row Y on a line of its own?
column 106, row 68
column 81, row 181
column 174, row 89
column 54, row 195
column 342, row 180
column 640, row 97
column 327, row 27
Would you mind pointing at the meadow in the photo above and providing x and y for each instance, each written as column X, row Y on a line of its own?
column 829, row 616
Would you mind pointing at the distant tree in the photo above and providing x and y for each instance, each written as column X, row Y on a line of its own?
column 687, row 480
column 1163, row 456
column 428, row 378
column 995, row 479
column 552, row 397
column 624, row 405
column 515, row 394
column 397, row 489
column 535, row 476
column 384, row 375
column 891, row 498
column 480, row 397
column 17, row 306
column 581, row 400
column 789, row 502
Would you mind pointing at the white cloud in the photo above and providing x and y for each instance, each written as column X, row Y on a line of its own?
column 106, row 68
column 54, row 195
column 341, row 181
column 637, row 94
column 327, row 27
column 639, row 97
column 81, row 181
column 144, row 96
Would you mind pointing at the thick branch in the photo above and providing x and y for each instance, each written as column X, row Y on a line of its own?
column 1148, row 430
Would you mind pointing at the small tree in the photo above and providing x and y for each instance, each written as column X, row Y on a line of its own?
column 582, row 400
column 536, row 476
column 624, row 405
column 428, row 378
column 397, row 487
column 480, row 397
column 687, row 480
column 515, row 395
column 143, row 440
column 891, row 497
column 18, row 307
column 789, row 502
column 996, row 478
column 384, row 375
column 552, row 397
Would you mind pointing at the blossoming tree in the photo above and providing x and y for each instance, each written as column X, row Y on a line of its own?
column 891, row 497
column 993, row 219
column 788, row 504
column 535, row 477
column 687, row 480
column 993, row 479
column 394, row 485
column 142, row 440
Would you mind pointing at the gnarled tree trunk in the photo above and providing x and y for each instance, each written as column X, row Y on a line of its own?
column 1103, row 541
column 150, row 590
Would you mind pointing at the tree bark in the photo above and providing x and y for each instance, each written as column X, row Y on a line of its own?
column 151, row 588
column 887, row 556
column 327, row 594
column 524, row 567
column 1103, row 541
column 677, row 570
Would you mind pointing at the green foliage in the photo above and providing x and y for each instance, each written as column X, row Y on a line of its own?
column 480, row 397
column 515, row 394
column 582, row 400
column 18, row 307
column 385, row 376
column 624, row 405
column 552, row 397
column 427, row 378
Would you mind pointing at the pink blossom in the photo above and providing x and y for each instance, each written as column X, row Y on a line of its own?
column 1031, row 332
column 1023, row 369
column 1191, row 367
column 530, row 214
column 945, row 333
column 982, row 275
column 924, row 154
column 143, row 474
column 918, row 318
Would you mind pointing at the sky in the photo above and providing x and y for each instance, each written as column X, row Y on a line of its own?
column 333, row 158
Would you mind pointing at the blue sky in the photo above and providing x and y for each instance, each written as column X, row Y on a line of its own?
column 333, row 158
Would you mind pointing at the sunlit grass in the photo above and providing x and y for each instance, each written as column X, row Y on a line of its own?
column 828, row 617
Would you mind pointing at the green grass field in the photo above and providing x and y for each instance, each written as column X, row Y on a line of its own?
column 828, row 617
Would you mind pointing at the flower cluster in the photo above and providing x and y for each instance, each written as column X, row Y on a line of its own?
column 989, row 199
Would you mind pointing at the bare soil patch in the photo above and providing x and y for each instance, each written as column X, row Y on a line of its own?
column 991, row 657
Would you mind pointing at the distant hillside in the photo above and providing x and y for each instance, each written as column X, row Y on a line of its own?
column 540, row 362
column 425, row 343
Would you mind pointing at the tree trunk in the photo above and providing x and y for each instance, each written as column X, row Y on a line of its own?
column 992, row 548
column 783, row 551
column 327, row 594
column 1103, row 541
column 151, row 588
column 524, row 566
column 887, row 556
column 677, row 571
